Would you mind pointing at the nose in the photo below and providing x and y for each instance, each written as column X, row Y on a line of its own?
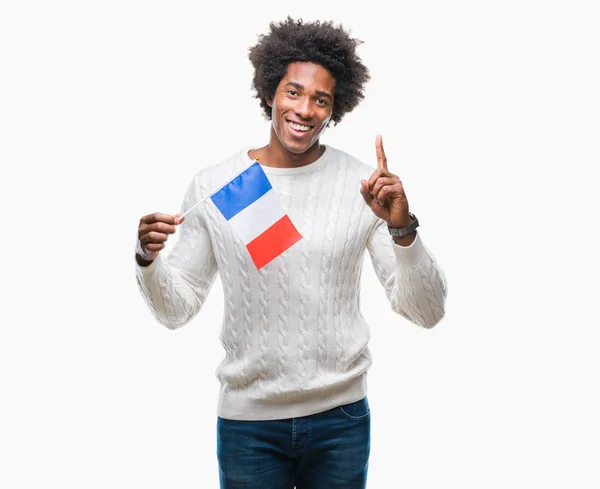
column 304, row 108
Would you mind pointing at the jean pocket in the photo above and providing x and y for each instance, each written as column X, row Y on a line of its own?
column 356, row 410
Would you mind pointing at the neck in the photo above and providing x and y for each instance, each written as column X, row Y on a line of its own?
column 276, row 156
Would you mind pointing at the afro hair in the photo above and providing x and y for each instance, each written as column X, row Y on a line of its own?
column 316, row 42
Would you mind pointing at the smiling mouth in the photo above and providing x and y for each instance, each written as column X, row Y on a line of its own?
column 298, row 128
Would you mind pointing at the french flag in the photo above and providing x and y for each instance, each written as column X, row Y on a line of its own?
column 253, row 210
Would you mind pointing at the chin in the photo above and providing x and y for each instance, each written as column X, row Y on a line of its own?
column 297, row 150
column 297, row 147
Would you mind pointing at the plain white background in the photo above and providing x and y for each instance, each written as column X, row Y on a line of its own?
column 489, row 113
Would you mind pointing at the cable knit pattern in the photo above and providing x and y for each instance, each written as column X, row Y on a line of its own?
column 229, row 341
column 435, row 302
column 324, row 276
column 351, row 265
column 263, row 326
column 411, row 303
column 295, row 340
column 310, row 209
column 284, row 299
column 342, row 185
column 246, row 343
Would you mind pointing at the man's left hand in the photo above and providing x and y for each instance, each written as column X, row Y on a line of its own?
column 384, row 193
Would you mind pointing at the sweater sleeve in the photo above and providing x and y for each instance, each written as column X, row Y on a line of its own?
column 175, row 287
column 414, row 283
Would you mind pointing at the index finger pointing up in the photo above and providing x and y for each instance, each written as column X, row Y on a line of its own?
column 381, row 159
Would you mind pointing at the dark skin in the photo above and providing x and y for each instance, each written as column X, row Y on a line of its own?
column 301, row 110
column 304, row 96
column 384, row 194
column 153, row 233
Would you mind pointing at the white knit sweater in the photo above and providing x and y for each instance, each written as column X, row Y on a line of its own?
column 296, row 342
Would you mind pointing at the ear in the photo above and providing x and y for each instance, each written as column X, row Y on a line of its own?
column 269, row 102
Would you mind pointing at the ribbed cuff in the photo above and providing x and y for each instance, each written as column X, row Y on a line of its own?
column 409, row 255
column 150, row 269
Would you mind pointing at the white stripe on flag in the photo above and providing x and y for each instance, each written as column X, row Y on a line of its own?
column 257, row 217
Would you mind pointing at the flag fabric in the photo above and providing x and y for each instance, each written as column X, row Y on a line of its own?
column 252, row 208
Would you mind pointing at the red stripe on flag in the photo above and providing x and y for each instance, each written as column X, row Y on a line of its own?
column 273, row 242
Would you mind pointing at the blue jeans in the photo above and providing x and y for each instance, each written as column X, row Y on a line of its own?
column 328, row 450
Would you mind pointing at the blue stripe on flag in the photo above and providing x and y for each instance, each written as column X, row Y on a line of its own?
column 242, row 191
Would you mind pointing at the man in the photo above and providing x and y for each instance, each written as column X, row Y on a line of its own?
column 292, row 408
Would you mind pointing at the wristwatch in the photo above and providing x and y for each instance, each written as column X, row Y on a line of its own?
column 398, row 232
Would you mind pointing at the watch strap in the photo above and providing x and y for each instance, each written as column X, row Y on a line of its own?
column 398, row 232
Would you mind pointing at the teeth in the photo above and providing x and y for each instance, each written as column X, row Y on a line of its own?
column 298, row 127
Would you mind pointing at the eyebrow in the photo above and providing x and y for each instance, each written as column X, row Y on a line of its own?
column 318, row 92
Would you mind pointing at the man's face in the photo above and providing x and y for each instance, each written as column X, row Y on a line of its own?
column 302, row 106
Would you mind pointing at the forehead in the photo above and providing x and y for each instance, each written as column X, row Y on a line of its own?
column 311, row 75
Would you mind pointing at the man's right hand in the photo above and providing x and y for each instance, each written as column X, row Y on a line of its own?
column 153, row 233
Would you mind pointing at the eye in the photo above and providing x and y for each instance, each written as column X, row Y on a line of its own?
column 322, row 102
column 292, row 92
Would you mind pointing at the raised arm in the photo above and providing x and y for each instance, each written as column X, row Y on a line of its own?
column 413, row 282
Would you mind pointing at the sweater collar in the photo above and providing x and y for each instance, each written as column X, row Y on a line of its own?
column 314, row 166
